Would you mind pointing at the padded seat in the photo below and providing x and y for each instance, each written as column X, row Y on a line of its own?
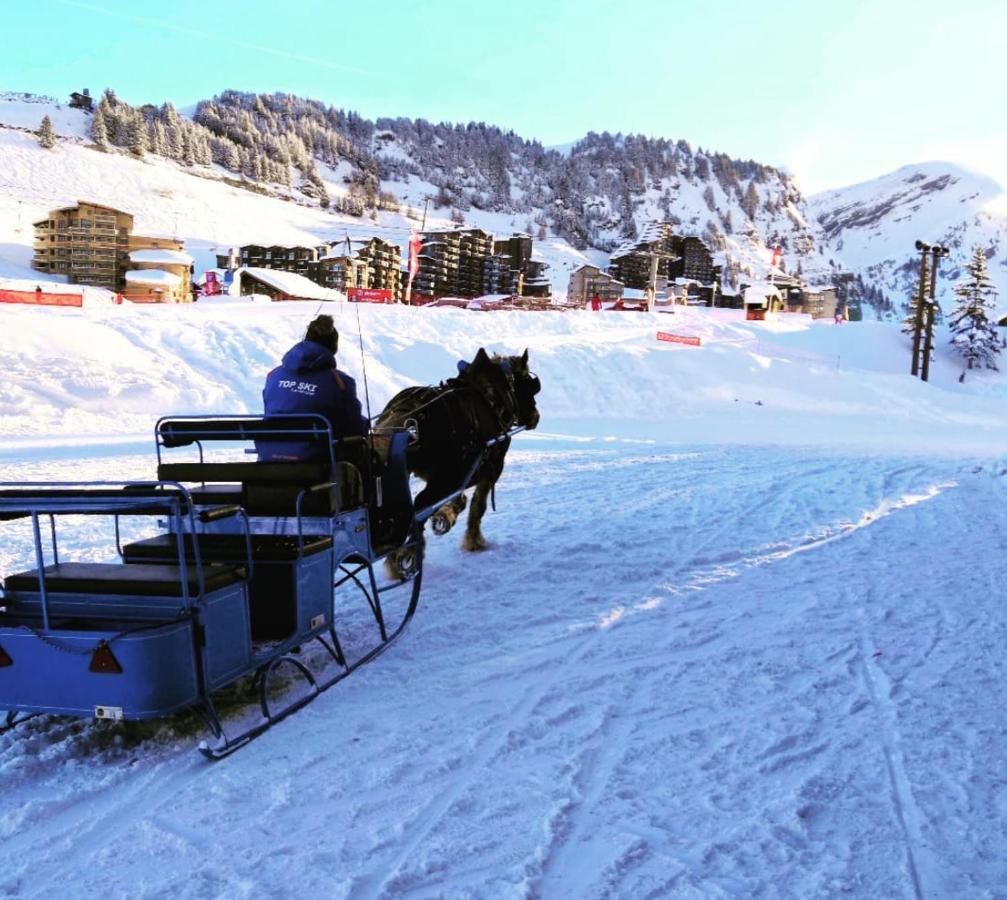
column 216, row 495
column 135, row 580
column 227, row 547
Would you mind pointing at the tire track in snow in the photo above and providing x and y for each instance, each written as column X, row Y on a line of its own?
column 879, row 689
column 435, row 812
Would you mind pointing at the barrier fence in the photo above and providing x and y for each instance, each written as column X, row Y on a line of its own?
column 41, row 298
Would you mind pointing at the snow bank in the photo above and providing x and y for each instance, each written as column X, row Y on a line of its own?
column 789, row 380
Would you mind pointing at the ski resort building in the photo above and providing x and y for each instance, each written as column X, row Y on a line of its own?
column 341, row 273
column 472, row 263
column 93, row 244
column 159, row 274
column 87, row 243
column 589, row 282
column 659, row 257
column 301, row 260
column 383, row 264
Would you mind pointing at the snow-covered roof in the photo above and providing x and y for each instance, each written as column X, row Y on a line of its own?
column 289, row 283
column 761, row 291
column 162, row 257
column 153, row 276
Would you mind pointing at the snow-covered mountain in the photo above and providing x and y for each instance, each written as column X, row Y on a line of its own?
column 873, row 226
column 245, row 168
column 339, row 173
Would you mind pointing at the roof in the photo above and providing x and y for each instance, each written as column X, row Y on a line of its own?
column 290, row 283
column 121, row 212
column 761, row 291
column 153, row 276
column 164, row 257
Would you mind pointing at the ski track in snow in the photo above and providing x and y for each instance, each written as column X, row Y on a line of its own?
column 698, row 672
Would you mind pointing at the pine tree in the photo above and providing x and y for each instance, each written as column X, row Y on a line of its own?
column 750, row 202
column 188, row 155
column 99, row 130
column 138, row 135
column 708, row 198
column 973, row 333
column 46, row 136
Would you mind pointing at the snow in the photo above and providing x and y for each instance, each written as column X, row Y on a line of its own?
column 172, row 257
column 759, row 292
column 877, row 223
column 739, row 631
column 26, row 111
column 153, row 276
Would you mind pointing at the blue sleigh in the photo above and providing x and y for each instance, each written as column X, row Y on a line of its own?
column 252, row 577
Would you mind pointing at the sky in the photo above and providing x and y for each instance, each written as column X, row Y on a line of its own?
column 834, row 93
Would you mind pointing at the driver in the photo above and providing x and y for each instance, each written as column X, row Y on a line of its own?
column 307, row 381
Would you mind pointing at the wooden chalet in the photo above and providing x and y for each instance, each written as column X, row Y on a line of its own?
column 82, row 101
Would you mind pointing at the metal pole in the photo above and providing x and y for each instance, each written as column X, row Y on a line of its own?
column 652, row 282
column 921, row 299
column 423, row 224
column 936, row 253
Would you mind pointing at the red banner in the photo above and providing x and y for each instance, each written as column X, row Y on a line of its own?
column 41, row 298
column 678, row 338
column 369, row 295
column 415, row 245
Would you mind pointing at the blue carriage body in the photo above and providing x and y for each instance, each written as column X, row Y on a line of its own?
column 240, row 577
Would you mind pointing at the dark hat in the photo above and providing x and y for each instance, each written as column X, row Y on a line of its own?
column 323, row 331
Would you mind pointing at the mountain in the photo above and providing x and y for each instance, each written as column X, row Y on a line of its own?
column 579, row 203
column 873, row 227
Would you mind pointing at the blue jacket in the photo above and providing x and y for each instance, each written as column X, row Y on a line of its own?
column 307, row 381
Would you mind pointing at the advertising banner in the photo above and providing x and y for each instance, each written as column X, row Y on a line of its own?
column 670, row 338
column 369, row 295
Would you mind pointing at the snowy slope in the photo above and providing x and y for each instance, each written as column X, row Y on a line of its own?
column 738, row 633
column 792, row 380
column 873, row 226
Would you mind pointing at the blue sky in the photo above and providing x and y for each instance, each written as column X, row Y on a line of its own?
column 837, row 93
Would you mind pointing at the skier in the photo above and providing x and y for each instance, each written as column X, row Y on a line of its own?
column 307, row 381
column 595, row 303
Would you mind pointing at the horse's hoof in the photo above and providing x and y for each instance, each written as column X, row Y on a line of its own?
column 473, row 544
column 441, row 523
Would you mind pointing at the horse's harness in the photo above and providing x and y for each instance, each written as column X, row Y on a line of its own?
column 504, row 419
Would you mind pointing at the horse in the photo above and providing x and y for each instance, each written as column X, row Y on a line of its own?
column 452, row 423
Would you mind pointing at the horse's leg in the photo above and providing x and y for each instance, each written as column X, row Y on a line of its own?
column 474, row 539
column 394, row 560
column 444, row 519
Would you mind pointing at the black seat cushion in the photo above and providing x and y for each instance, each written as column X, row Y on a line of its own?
column 227, row 547
column 302, row 474
column 216, row 495
column 139, row 580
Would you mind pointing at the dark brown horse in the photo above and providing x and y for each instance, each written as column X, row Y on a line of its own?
column 452, row 424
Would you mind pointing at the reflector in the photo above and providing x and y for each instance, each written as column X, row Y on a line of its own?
column 104, row 661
